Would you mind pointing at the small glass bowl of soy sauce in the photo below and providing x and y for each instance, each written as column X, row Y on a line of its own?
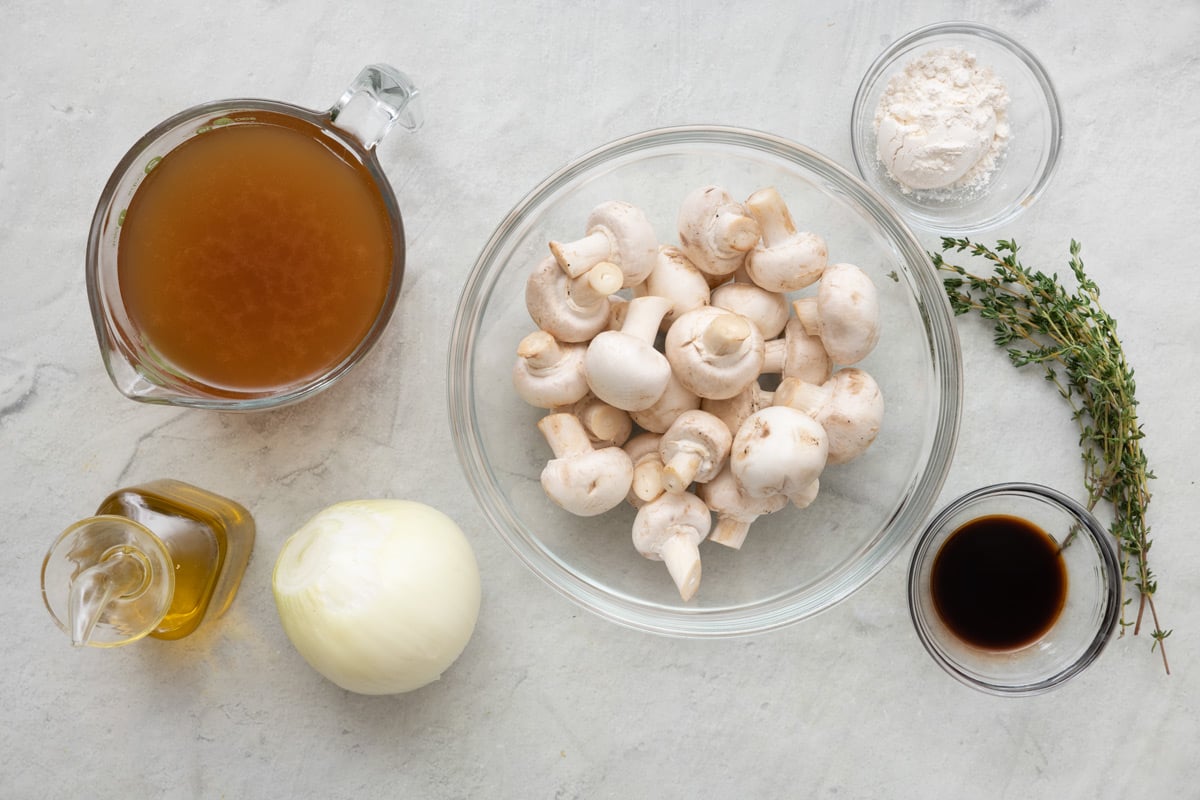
column 1014, row 588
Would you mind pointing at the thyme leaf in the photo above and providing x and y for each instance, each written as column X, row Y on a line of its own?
column 1074, row 340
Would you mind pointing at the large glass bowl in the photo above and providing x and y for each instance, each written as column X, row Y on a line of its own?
column 794, row 563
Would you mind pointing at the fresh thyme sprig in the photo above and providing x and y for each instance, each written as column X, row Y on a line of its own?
column 1075, row 341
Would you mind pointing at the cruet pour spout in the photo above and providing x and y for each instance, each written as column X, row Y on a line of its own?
column 121, row 574
column 107, row 581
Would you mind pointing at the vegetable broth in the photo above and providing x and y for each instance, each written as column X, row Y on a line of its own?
column 999, row 583
column 256, row 255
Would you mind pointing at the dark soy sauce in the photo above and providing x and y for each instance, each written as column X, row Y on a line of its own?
column 999, row 583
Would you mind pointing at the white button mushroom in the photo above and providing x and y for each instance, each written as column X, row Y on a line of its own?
column 694, row 448
column 797, row 354
column 647, row 469
column 670, row 529
column 606, row 426
column 618, row 307
column 734, row 411
column 849, row 406
column 622, row 367
column 785, row 260
column 768, row 310
column 571, row 309
column 666, row 409
column 715, row 231
column 617, row 232
column 735, row 509
column 778, row 450
column 676, row 278
column 844, row 314
column 580, row 478
column 548, row 373
column 715, row 353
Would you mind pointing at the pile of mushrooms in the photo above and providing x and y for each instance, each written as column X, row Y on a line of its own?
column 655, row 397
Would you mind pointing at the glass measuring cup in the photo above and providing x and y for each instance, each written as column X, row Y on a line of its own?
column 378, row 99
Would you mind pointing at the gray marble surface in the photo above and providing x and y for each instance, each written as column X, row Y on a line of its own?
column 549, row 700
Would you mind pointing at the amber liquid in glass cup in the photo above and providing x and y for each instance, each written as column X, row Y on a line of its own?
column 247, row 253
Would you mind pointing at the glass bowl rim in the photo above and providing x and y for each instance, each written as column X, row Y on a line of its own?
column 863, row 161
column 1109, row 559
column 761, row 615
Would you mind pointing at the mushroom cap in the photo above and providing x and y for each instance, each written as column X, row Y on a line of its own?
column 694, row 448
column 675, row 277
column 625, row 371
column 547, row 373
column 733, row 411
column 555, row 308
column 666, row 516
column 715, row 231
column 785, row 260
column 853, row 414
column 715, row 353
column 847, row 313
column 674, row 400
column 797, row 354
column 768, row 310
column 778, row 450
column 724, row 496
column 629, row 242
column 793, row 264
column 736, row 511
column 635, row 246
column 589, row 483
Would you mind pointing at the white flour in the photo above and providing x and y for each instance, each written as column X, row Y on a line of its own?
column 942, row 122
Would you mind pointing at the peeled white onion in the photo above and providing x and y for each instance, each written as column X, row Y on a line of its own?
column 379, row 596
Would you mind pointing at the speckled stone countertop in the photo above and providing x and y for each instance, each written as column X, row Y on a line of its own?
column 549, row 700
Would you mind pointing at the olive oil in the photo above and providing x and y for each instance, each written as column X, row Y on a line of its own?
column 208, row 537
column 999, row 583
column 157, row 559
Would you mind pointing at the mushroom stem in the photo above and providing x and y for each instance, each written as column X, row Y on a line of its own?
column 648, row 479
column 726, row 336
column 737, row 232
column 809, row 314
column 802, row 396
column 680, row 471
column 774, row 356
column 581, row 255
column 681, row 554
column 565, row 435
column 643, row 316
column 540, row 350
column 605, row 425
column 774, row 219
column 730, row 531
column 596, row 284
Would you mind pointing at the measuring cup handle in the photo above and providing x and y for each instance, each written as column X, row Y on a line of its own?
column 380, row 97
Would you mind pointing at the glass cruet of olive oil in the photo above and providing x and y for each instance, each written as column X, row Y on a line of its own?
column 157, row 559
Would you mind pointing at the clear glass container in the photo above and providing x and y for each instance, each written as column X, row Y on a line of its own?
column 1028, row 161
column 796, row 562
column 157, row 559
column 379, row 98
column 1084, row 625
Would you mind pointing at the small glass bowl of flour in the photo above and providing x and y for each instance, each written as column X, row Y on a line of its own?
column 958, row 126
